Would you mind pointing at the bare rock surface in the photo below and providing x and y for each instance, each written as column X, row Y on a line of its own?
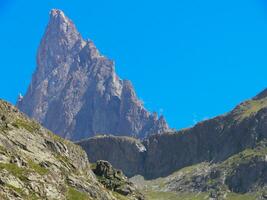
column 115, row 180
column 76, row 93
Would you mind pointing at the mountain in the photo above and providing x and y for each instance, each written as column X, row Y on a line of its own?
column 212, row 141
column 36, row 164
column 76, row 93
column 242, row 176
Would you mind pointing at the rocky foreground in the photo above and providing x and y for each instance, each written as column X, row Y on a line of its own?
column 36, row 164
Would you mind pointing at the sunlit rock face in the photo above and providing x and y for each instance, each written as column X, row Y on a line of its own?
column 76, row 93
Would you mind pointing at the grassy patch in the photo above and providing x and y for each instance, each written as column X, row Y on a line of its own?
column 74, row 194
column 3, row 150
column 65, row 161
column 55, row 137
column 30, row 126
column 93, row 166
column 152, row 195
column 249, row 107
column 244, row 157
column 31, row 196
column 234, row 196
column 19, row 172
column 119, row 196
column 37, row 168
column 17, row 190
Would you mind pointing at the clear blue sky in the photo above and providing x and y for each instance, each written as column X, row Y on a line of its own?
column 189, row 59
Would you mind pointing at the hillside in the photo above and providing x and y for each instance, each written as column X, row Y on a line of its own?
column 36, row 164
column 242, row 176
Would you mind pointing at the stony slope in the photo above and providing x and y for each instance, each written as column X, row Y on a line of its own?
column 212, row 140
column 36, row 164
column 242, row 176
column 72, row 78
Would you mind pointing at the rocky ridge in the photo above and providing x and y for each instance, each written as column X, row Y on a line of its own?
column 36, row 164
column 212, row 140
column 72, row 78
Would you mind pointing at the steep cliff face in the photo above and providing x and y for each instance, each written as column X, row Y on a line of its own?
column 76, row 93
column 123, row 152
column 36, row 164
column 213, row 140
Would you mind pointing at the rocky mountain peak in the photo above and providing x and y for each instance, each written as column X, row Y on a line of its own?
column 72, row 78
column 59, row 23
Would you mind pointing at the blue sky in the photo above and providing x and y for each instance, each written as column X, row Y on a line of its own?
column 187, row 59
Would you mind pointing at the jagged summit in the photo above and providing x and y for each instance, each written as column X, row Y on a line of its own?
column 76, row 92
column 56, row 12
column 59, row 17
column 60, row 24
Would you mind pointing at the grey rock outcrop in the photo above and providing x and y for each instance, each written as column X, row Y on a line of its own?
column 115, row 180
column 76, row 93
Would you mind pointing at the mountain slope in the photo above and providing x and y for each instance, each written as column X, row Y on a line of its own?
column 74, row 80
column 212, row 140
column 242, row 176
column 36, row 164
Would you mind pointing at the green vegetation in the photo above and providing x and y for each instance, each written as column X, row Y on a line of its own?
column 245, row 156
column 74, row 194
column 22, row 193
column 249, row 107
column 19, row 172
column 22, row 172
column 93, row 166
column 119, row 196
column 17, row 190
column 152, row 195
column 2, row 150
column 55, row 137
column 30, row 126
column 64, row 160
column 234, row 196
column 37, row 168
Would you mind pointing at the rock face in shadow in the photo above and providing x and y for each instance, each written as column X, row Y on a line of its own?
column 212, row 140
column 76, row 93
column 123, row 152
